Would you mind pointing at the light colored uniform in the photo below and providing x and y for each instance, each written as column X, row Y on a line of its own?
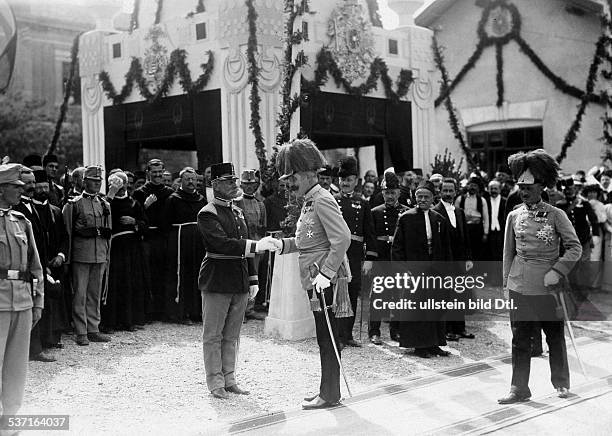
column 18, row 256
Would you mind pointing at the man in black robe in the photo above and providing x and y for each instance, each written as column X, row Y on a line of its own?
column 152, row 196
column 123, row 301
column 183, row 301
column 422, row 236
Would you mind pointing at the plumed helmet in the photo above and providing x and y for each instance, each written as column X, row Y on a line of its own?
column 298, row 156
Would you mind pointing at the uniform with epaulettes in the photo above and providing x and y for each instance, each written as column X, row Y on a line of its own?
column 19, row 266
column 88, row 223
column 226, row 274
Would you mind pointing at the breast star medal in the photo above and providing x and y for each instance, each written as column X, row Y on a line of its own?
column 546, row 234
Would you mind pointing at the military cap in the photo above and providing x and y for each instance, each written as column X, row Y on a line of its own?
column 426, row 184
column 32, row 160
column 10, row 174
column 248, row 176
column 347, row 167
column 390, row 181
column 222, row 171
column 41, row 176
column 93, row 172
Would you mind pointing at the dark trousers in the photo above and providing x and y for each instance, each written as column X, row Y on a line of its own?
column 456, row 327
column 330, row 369
column 475, row 232
column 530, row 310
column 374, row 328
column 496, row 245
column 346, row 324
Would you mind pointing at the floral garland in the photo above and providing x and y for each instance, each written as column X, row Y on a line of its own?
column 176, row 65
column 452, row 116
column 607, row 75
column 253, row 80
column 572, row 133
column 158, row 11
column 484, row 41
column 74, row 52
column 134, row 16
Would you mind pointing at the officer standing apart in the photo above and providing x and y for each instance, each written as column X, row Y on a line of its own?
column 228, row 279
column 534, row 232
column 20, row 305
column 88, row 223
column 322, row 238
column 358, row 216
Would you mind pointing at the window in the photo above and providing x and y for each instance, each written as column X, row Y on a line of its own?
column 116, row 50
column 491, row 149
column 200, row 31
column 393, row 49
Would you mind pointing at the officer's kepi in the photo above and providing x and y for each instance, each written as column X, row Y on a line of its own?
column 93, row 173
column 10, row 174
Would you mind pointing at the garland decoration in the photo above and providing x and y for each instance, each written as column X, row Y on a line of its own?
column 607, row 75
column 74, row 54
column 572, row 133
column 176, row 65
column 158, row 11
column 253, row 80
column 499, row 55
column 134, row 16
column 452, row 116
column 503, row 21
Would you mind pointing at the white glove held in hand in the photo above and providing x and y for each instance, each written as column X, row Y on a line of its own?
column 321, row 282
column 253, row 290
column 551, row 278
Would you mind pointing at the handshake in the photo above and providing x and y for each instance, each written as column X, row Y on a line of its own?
column 268, row 244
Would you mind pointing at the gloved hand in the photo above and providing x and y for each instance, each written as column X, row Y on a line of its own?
column 367, row 267
column 321, row 282
column 253, row 290
column 150, row 200
column 551, row 278
column 268, row 243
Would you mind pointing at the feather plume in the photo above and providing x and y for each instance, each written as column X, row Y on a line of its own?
column 299, row 155
column 542, row 165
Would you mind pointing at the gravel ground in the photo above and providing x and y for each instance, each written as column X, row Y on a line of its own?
column 152, row 381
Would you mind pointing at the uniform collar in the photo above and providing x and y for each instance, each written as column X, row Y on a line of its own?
column 312, row 191
column 349, row 195
column 395, row 206
column 248, row 196
column 223, row 202
column 535, row 206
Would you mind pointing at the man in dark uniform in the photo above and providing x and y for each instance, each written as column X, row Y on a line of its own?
column 460, row 248
column 385, row 220
column 152, row 196
column 321, row 238
column 183, row 300
column 422, row 235
column 56, row 192
column 88, row 223
column 358, row 216
column 21, row 292
column 534, row 234
column 228, row 279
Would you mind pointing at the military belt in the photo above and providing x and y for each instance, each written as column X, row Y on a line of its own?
column 15, row 274
column 357, row 238
column 222, row 256
column 385, row 238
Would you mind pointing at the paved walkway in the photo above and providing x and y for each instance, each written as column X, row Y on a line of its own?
column 463, row 401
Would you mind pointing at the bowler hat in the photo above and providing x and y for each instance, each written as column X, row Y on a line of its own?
column 222, row 171
column 32, row 160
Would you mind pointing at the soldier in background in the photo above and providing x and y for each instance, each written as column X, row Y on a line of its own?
column 358, row 216
column 21, row 292
column 385, row 220
column 88, row 223
column 56, row 192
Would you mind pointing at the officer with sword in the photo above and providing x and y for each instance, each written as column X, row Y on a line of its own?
column 532, row 266
column 322, row 239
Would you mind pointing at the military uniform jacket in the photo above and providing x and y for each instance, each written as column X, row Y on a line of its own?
column 84, row 216
column 358, row 216
column 385, row 221
column 18, row 252
column 255, row 216
column 321, row 236
column 228, row 265
column 531, row 247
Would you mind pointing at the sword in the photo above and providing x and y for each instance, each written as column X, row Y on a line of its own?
column 571, row 333
column 333, row 340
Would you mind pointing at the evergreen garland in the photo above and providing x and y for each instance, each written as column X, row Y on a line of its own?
column 74, row 55
column 452, row 116
column 607, row 75
column 253, row 80
column 176, row 65
column 499, row 54
column 158, row 11
column 134, row 16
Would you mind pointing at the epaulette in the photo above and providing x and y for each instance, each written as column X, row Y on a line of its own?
column 75, row 199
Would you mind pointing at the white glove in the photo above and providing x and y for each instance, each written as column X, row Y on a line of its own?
column 268, row 243
column 367, row 267
column 551, row 278
column 253, row 290
column 321, row 282
column 150, row 200
column 468, row 265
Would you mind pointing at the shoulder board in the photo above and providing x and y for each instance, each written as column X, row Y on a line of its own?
column 209, row 208
column 75, row 199
column 18, row 214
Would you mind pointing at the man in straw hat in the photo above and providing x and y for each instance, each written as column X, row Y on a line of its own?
column 322, row 239
column 534, row 233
